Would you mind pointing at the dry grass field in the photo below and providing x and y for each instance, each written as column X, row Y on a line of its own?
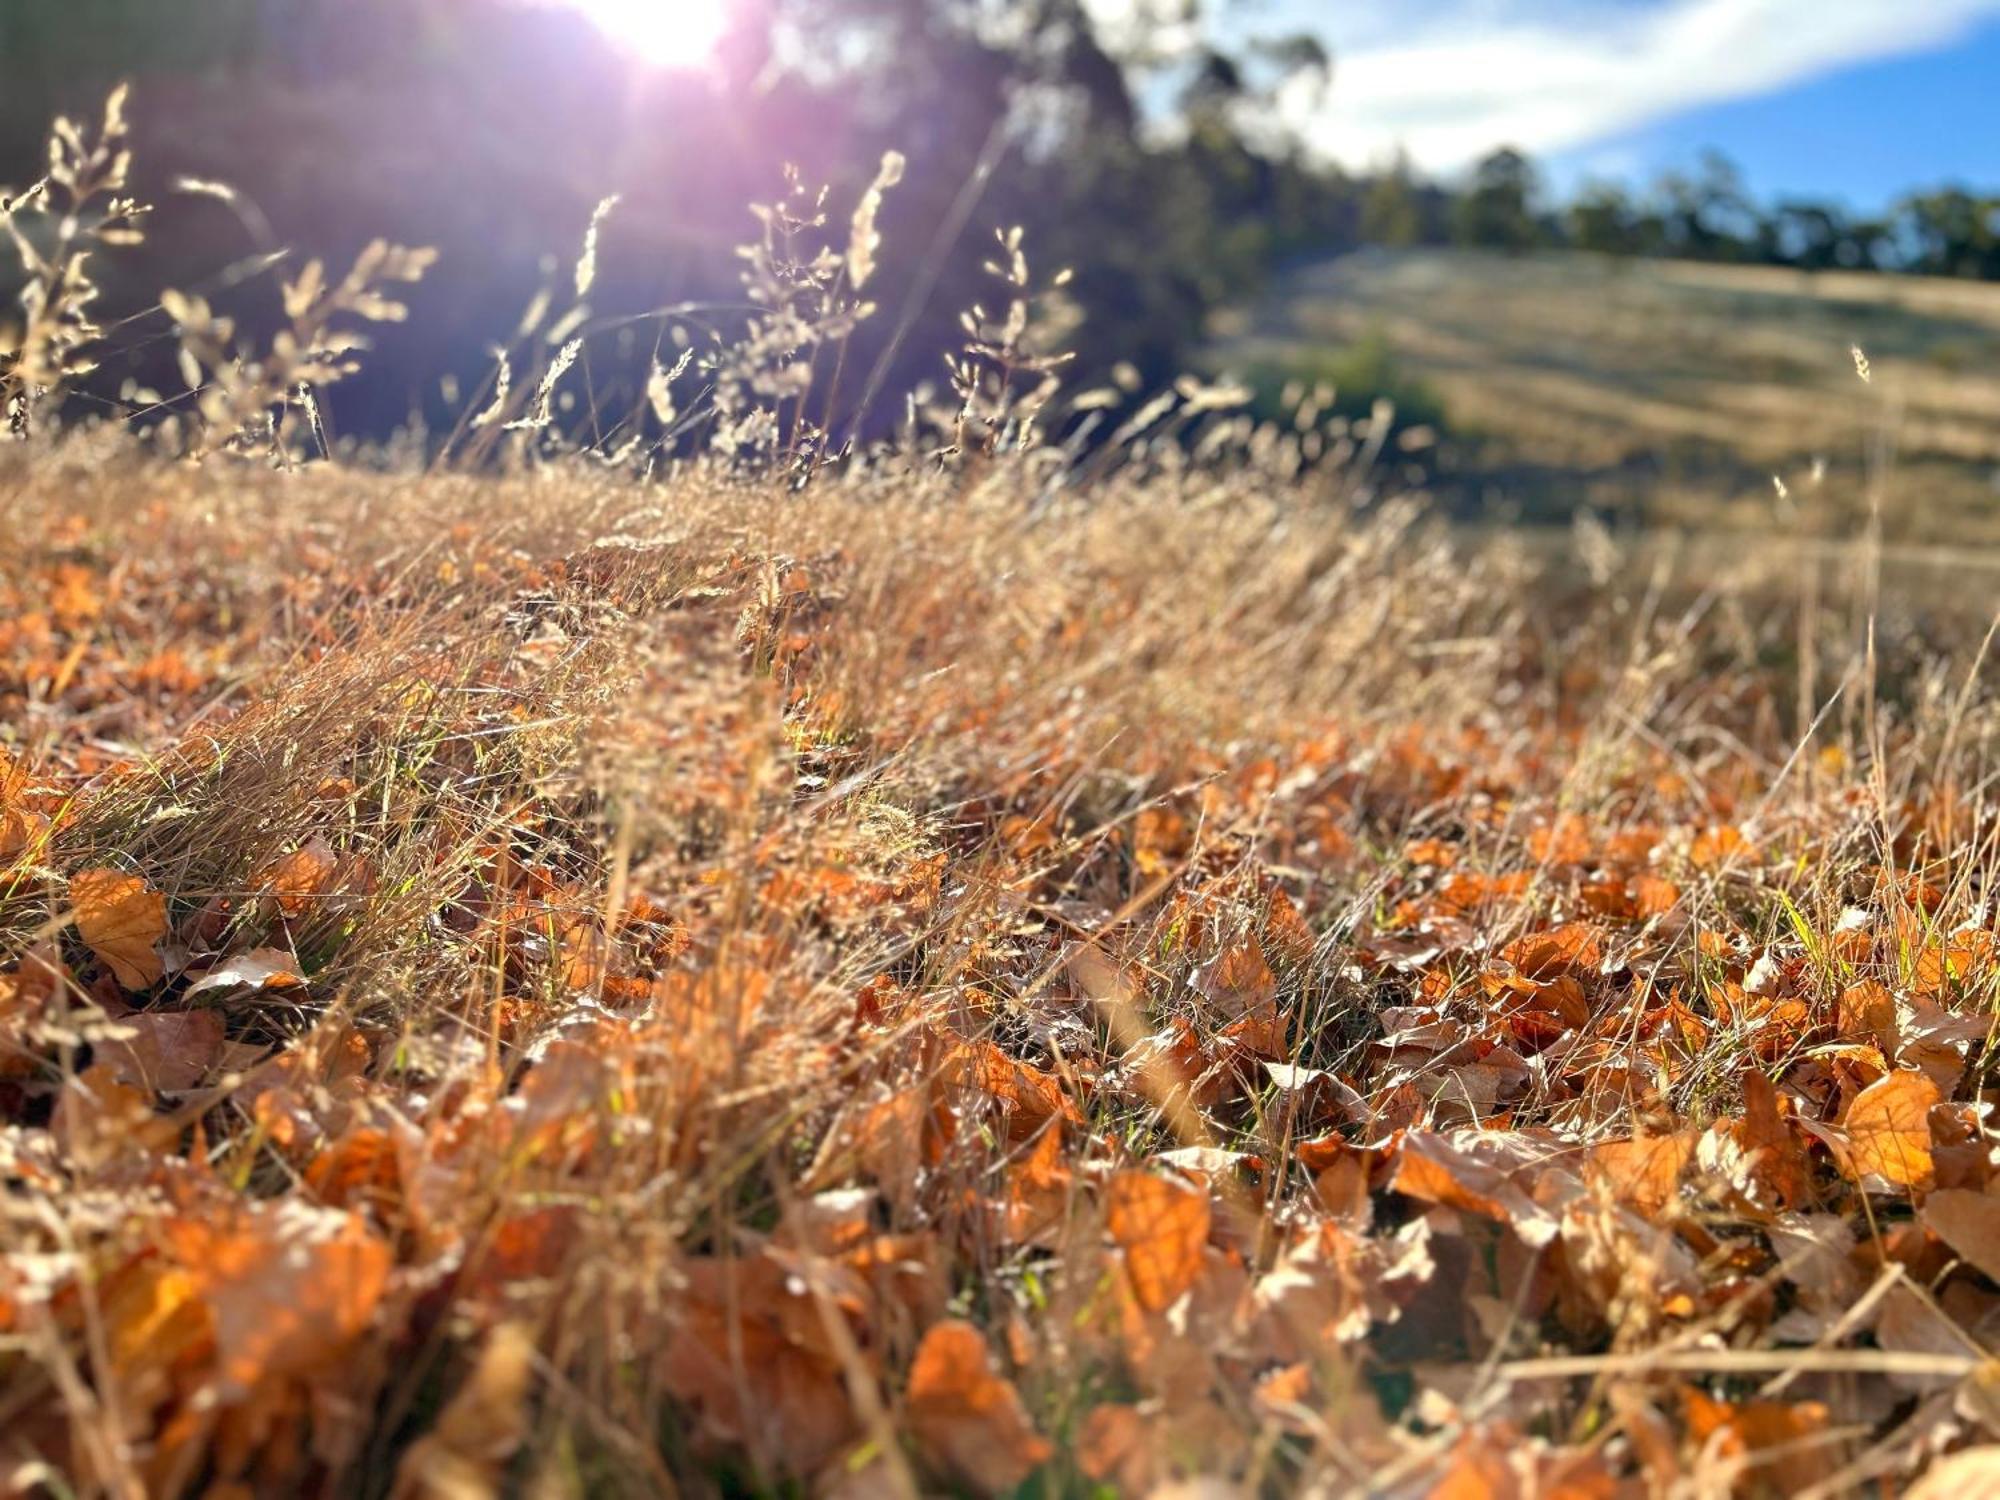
column 705, row 963
column 1672, row 392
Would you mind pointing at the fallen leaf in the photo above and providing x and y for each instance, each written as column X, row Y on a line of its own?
column 296, row 878
column 121, row 918
column 967, row 1416
column 1968, row 1475
column 166, row 1050
column 1163, row 1228
column 465, row 1455
column 259, row 969
column 290, row 1286
column 1888, row 1129
column 1969, row 1222
column 1468, row 1170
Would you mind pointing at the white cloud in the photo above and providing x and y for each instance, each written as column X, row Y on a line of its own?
column 1545, row 75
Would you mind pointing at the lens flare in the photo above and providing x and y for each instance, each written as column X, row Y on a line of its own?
column 662, row 33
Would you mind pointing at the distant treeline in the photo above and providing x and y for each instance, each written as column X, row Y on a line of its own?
column 1703, row 215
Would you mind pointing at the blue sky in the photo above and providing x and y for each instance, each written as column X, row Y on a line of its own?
column 1851, row 99
column 1862, row 134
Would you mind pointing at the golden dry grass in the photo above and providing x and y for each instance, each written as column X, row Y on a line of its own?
column 710, row 961
column 903, row 987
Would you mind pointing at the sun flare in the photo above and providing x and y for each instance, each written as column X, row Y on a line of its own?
column 663, row 33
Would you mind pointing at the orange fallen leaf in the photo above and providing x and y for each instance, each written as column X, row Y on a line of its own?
column 1888, row 1129
column 296, row 878
column 1779, row 1442
column 969, row 1417
column 1644, row 1171
column 1163, row 1228
column 290, row 1286
column 121, row 918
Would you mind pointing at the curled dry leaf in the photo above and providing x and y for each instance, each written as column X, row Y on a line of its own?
column 121, row 918
column 1461, row 1171
column 967, row 1416
column 1163, row 1228
column 259, row 969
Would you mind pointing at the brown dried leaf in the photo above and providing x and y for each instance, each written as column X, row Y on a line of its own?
column 1961, row 1476
column 1968, row 1222
column 167, row 1051
column 464, row 1456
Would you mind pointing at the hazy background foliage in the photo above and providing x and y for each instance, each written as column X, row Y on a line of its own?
column 489, row 129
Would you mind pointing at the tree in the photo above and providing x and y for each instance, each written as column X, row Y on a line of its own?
column 1602, row 218
column 1951, row 232
column 1497, row 209
column 1815, row 237
column 1391, row 214
column 1708, row 216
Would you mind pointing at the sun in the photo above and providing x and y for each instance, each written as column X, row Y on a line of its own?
column 663, row 33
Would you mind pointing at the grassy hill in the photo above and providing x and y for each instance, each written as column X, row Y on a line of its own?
column 1670, row 390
